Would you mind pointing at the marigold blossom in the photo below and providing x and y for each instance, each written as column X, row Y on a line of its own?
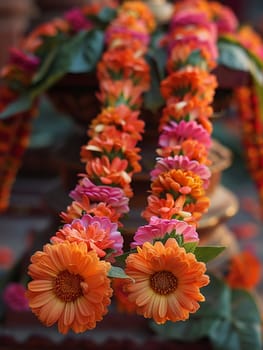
column 167, row 281
column 69, row 286
column 166, row 208
column 122, row 117
column 187, row 84
column 244, row 271
column 181, row 162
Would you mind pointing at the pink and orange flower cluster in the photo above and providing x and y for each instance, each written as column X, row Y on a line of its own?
column 181, row 176
column 75, row 289
column 72, row 277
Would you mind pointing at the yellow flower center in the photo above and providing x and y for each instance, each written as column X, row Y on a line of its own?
column 67, row 286
column 163, row 282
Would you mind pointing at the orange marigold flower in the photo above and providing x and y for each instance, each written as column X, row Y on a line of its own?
column 124, row 64
column 193, row 149
column 178, row 181
column 167, row 281
column 180, row 55
column 104, row 171
column 166, row 208
column 197, row 209
column 189, row 195
column 188, row 111
column 77, row 209
column 115, row 93
column 69, row 286
column 113, row 144
column 122, row 117
column 244, row 271
column 191, row 83
column 140, row 11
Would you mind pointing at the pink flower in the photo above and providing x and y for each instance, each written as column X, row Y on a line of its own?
column 181, row 162
column 14, row 297
column 158, row 228
column 112, row 196
column 77, row 20
column 225, row 19
column 27, row 63
column 175, row 133
column 99, row 233
column 194, row 18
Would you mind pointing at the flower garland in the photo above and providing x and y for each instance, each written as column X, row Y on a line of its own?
column 14, row 135
column 90, row 237
column 162, row 266
column 181, row 174
column 164, row 271
column 250, row 109
column 19, row 75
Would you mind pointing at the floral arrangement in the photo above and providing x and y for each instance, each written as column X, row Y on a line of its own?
column 160, row 277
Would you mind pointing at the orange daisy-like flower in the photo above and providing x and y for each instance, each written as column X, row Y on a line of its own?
column 191, row 83
column 69, row 286
column 167, row 281
column 244, row 271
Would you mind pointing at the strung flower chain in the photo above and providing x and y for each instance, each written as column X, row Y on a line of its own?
column 248, row 104
column 19, row 74
column 81, row 250
column 161, row 268
column 14, row 135
column 163, row 277
column 181, row 174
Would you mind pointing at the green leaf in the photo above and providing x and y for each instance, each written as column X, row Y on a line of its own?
column 152, row 98
column 88, row 53
column 45, row 65
column 190, row 247
column 117, row 272
column 233, row 55
column 59, row 65
column 121, row 258
column 107, row 14
column 22, row 104
column 206, row 254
